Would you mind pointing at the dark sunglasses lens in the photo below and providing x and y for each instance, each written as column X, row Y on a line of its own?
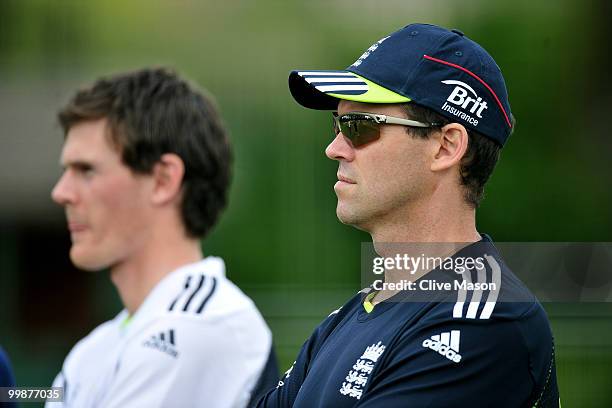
column 360, row 131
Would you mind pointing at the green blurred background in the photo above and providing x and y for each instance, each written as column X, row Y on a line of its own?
column 280, row 237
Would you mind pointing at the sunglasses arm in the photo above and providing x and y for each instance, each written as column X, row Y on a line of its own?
column 399, row 121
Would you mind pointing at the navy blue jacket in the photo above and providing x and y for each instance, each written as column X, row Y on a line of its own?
column 458, row 348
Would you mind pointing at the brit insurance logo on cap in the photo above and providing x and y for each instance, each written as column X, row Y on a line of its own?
column 464, row 97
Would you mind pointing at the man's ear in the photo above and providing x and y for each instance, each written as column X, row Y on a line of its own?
column 451, row 147
column 168, row 175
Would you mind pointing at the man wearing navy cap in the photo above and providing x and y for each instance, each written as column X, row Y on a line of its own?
column 419, row 120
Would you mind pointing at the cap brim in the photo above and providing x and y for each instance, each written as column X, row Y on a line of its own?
column 323, row 89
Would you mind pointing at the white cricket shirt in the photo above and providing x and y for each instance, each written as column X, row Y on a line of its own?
column 196, row 341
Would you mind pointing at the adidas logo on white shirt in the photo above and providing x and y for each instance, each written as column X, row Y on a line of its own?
column 163, row 341
column 446, row 344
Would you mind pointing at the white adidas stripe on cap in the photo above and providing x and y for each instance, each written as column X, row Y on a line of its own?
column 312, row 79
column 335, row 82
column 325, row 73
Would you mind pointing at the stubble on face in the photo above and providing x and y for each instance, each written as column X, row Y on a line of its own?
column 388, row 174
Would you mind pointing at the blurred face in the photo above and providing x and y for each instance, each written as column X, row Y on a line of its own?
column 380, row 178
column 107, row 206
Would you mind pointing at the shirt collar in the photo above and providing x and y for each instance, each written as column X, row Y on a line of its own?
column 159, row 298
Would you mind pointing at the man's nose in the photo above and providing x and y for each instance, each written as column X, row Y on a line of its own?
column 340, row 149
column 63, row 192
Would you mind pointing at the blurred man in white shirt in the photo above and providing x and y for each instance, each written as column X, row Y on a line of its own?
column 147, row 166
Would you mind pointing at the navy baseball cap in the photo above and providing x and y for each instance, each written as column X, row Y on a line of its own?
column 437, row 68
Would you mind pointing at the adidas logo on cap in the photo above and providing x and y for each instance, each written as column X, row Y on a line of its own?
column 446, row 344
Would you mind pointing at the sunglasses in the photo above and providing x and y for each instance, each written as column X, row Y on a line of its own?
column 362, row 128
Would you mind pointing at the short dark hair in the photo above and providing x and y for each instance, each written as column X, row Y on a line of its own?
column 479, row 160
column 151, row 112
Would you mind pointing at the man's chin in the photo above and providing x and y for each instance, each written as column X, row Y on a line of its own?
column 86, row 262
column 349, row 216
